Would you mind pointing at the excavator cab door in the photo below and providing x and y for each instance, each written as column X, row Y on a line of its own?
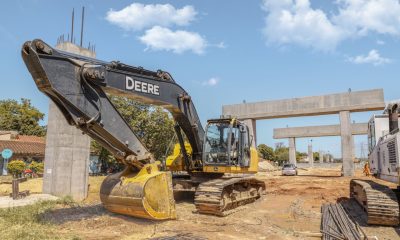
column 217, row 140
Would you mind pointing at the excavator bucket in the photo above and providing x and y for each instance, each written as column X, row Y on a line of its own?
column 146, row 194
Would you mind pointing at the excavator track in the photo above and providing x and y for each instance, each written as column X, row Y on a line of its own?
column 379, row 202
column 226, row 195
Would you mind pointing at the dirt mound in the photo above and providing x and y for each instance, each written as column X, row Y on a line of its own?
column 266, row 166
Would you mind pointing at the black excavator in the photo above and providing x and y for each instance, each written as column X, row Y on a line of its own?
column 219, row 162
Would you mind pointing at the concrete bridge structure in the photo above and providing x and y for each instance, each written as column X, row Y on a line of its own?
column 339, row 103
column 315, row 131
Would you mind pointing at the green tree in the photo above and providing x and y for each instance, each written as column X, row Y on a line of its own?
column 36, row 167
column 300, row 155
column 281, row 153
column 153, row 125
column 316, row 156
column 16, row 167
column 21, row 117
column 266, row 152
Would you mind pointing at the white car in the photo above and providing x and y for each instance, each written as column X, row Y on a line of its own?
column 289, row 170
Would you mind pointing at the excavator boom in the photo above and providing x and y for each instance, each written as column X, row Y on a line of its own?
column 79, row 86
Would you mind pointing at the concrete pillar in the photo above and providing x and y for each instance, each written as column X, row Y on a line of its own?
column 67, row 149
column 292, row 151
column 347, row 143
column 251, row 123
column 353, row 148
column 321, row 157
column 310, row 155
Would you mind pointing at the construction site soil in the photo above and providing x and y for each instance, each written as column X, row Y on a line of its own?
column 290, row 210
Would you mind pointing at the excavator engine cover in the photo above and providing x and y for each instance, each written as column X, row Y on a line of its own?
column 146, row 194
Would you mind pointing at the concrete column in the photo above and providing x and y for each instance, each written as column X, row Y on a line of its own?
column 292, row 151
column 67, row 150
column 310, row 155
column 321, row 157
column 353, row 148
column 251, row 123
column 347, row 143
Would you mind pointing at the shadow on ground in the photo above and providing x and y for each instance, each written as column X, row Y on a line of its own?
column 86, row 212
column 318, row 176
column 180, row 236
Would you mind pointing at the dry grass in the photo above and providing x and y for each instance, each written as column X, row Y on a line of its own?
column 94, row 189
column 5, row 179
column 34, row 185
column 28, row 222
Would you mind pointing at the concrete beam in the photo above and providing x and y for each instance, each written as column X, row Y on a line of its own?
column 357, row 101
column 318, row 131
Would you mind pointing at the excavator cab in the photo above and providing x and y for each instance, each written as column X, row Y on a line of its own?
column 226, row 143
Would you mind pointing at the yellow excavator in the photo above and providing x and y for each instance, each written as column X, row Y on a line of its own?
column 218, row 163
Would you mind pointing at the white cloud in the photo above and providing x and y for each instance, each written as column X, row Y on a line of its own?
column 363, row 16
column 160, row 38
column 221, row 45
column 296, row 22
column 211, row 82
column 373, row 57
column 139, row 16
column 380, row 42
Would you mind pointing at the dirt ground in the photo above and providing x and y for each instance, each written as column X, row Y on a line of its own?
column 289, row 210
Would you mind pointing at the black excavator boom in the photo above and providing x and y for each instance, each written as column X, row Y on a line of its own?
column 78, row 86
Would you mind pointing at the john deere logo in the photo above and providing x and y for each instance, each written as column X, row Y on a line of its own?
column 143, row 87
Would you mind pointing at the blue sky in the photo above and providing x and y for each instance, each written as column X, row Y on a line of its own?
column 224, row 52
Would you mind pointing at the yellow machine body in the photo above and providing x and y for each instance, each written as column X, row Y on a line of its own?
column 253, row 168
column 146, row 194
column 174, row 162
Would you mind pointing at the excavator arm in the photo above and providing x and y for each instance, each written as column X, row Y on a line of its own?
column 79, row 86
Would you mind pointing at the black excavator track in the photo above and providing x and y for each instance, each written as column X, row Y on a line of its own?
column 225, row 195
column 379, row 202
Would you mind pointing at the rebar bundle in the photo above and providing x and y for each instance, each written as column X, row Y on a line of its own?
column 336, row 224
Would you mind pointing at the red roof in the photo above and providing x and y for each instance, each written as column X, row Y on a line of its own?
column 28, row 138
column 27, row 148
